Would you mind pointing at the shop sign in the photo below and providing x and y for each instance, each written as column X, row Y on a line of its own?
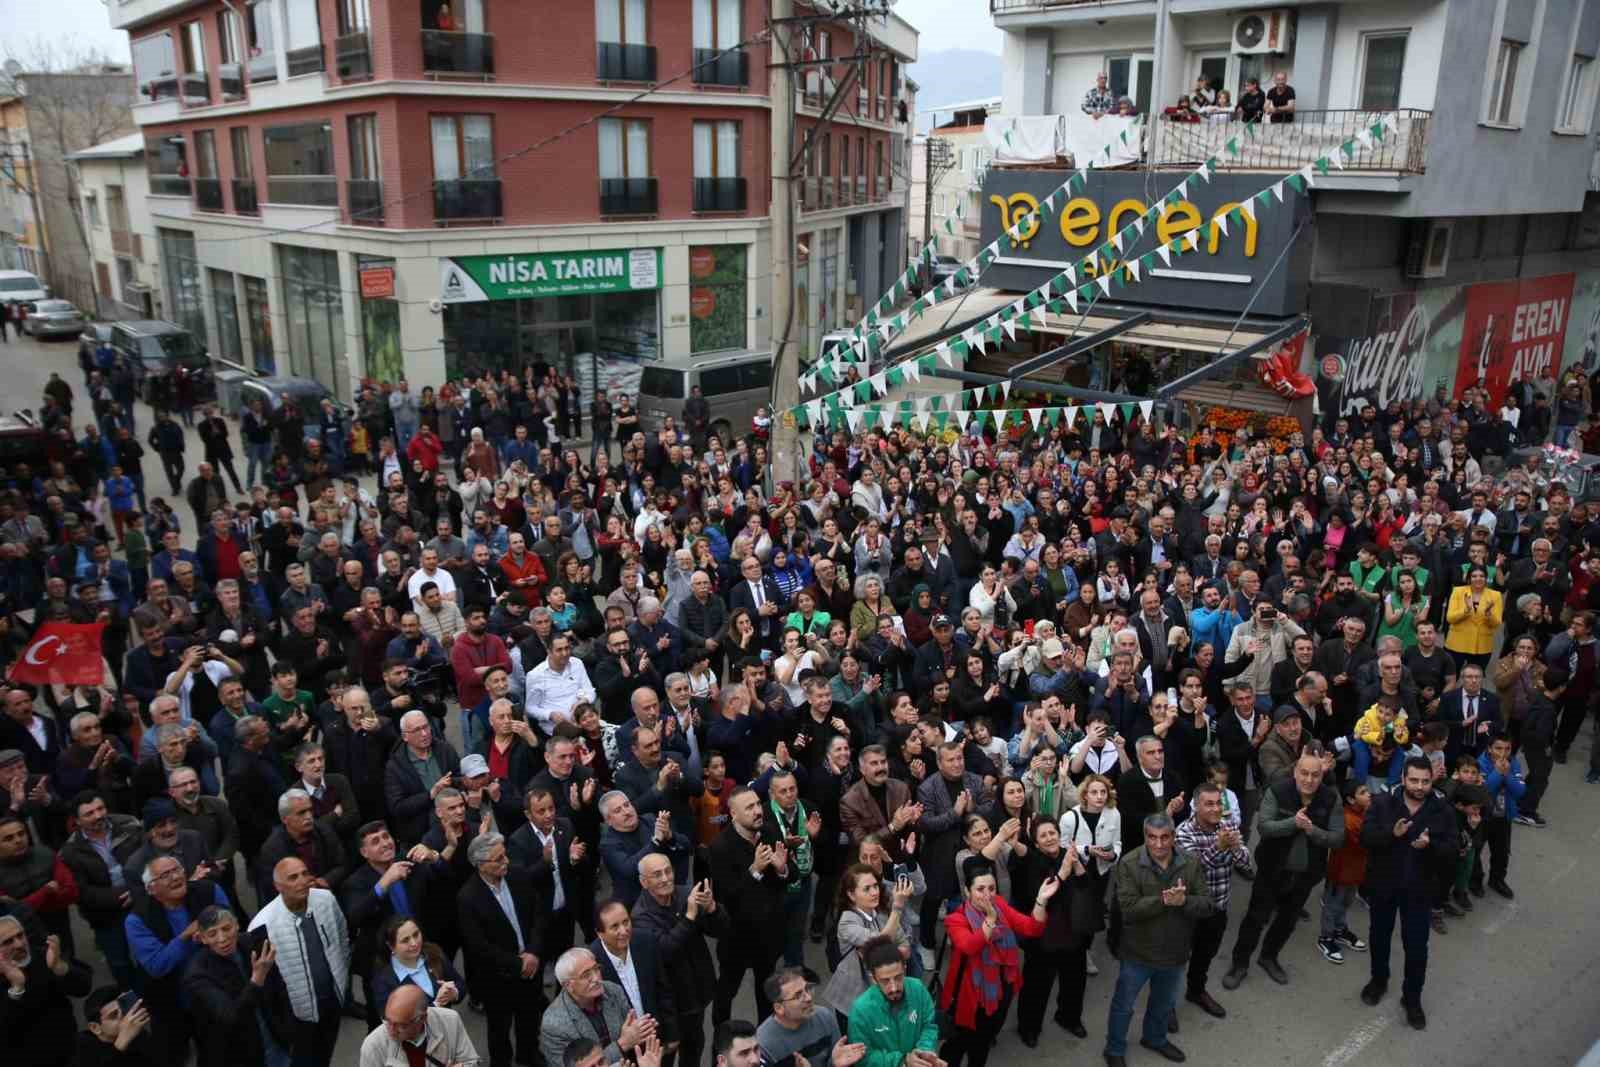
column 1230, row 270
column 518, row 275
column 377, row 283
column 1514, row 332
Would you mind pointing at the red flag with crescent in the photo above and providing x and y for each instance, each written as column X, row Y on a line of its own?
column 62, row 653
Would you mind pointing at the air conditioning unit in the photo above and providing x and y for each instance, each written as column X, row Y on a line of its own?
column 1262, row 33
column 1428, row 248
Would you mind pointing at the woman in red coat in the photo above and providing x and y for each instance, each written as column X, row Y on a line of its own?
column 985, row 969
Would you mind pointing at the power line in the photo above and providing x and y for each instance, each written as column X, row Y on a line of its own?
column 377, row 211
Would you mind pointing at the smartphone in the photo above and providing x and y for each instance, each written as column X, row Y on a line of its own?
column 126, row 1002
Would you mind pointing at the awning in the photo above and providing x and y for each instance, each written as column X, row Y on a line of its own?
column 1162, row 332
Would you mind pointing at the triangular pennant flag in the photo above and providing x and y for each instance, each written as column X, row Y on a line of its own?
column 926, row 364
column 1107, row 410
column 1192, row 240
column 1127, row 411
column 1034, row 415
column 1165, row 253
column 1232, row 146
column 1248, row 206
column 1221, row 223
column 961, row 419
column 1296, row 183
column 1146, row 407
column 1306, row 174
column 888, row 418
column 944, row 354
column 1072, row 417
column 1104, row 281
column 910, row 370
column 1011, row 329
column 1005, row 388
column 1132, row 267
column 1053, row 416
column 853, row 418
column 894, row 377
column 814, row 412
column 1116, row 240
column 1071, row 297
column 1204, row 171
column 922, row 421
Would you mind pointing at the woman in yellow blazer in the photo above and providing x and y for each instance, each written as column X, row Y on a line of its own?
column 1474, row 616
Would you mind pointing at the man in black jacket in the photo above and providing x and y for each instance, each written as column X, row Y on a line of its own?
column 751, row 870
column 301, row 834
column 225, row 987
column 548, row 846
column 616, row 945
column 503, row 916
column 104, row 895
column 679, row 917
column 166, row 437
column 420, row 767
column 254, row 784
column 383, row 886
column 358, row 745
column 1409, row 835
column 1241, row 730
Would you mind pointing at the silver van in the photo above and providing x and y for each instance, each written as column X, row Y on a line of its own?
column 734, row 386
column 22, row 287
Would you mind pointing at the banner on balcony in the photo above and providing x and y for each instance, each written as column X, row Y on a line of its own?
column 518, row 275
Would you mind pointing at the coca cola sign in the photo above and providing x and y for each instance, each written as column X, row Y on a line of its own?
column 1410, row 352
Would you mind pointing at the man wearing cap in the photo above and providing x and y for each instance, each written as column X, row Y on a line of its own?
column 163, row 837
column 163, row 936
column 939, row 658
column 483, row 793
column 1278, row 753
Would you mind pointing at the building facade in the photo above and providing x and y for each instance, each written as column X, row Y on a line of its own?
column 417, row 189
column 114, row 189
column 1421, row 259
column 955, row 195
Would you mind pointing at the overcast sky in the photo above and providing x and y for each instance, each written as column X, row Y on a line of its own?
column 83, row 23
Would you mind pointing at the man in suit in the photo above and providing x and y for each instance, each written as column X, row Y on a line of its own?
column 1147, row 789
column 1471, row 712
column 636, row 964
column 1241, row 731
column 383, row 886
column 1210, row 566
column 760, row 596
column 502, row 914
column 333, row 799
column 419, row 768
column 876, row 801
column 254, row 785
column 1157, row 551
column 577, row 795
column 36, row 737
column 548, row 846
column 628, row 839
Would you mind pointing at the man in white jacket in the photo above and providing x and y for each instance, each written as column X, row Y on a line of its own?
column 308, row 932
column 407, row 1020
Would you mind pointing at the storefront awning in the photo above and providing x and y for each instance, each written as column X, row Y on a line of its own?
column 1163, row 332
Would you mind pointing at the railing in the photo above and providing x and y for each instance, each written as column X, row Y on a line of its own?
column 352, row 56
column 846, row 192
column 861, row 190
column 208, row 194
column 311, row 190
column 169, row 185
column 164, row 87
column 244, row 197
column 1001, row 7
column 365, row 200
column 262, row 68
column 719, row 194
column 627, row 196
column 307, row 60
column 617, row 62
column 230, row 78
column 194, row 89
column 715, row 67
column 458, row 54
column 1290, row 145
column 476, row 199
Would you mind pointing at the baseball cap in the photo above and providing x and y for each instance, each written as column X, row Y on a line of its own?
column 158, row 810
column 474, row 766
column 1050, row 649
column 1284, row 713
column 941, row 620
column 9, row 756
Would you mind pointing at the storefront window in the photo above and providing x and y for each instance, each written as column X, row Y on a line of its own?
column 380, row 320
column 185, row 298
column 717, row 300
column 225, row 303
column 258, row 315
column 314, row 310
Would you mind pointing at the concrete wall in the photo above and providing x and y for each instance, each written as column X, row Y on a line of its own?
column 1425, row 49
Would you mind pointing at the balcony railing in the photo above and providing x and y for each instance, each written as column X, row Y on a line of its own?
column 1002, row 7
column 244, row 197
column 618, row 62
column 169, row 185
column 307, row 60
column 861, row 190
column 162, row 87
column 352, row 56
column 846, row 192
column 311, row 190
column 230, row 78
column 719, row 194
column 194, row 89
column 627, row 196
column 262, row 68
column 365, row 200
column 208, row 194
column 715, row 67
column 469, row 55
column 1291, row 145
column 476, row 200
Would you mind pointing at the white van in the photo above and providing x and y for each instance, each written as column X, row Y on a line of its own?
column 20, row 287
column 733, row 386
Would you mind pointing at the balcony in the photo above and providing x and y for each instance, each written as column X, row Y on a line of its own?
column 163, row 87
column 244, row 197
column 364, row 200
column 719, row 194
column 208, row 194
column 627, row 196
column 713, row 66
column 458, row 55
column 1291, row 145
column 122, row 242
column 307, row 60
column 307, row 190
column 846, row 192
column 861, row 191
column 169, row 185
column 352, row 56
column 230, row 78
column 194, row 89
column 625, row 62
column 474, row 200
column 262, row 68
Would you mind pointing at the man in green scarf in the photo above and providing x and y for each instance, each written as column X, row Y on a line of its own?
column 797, row 826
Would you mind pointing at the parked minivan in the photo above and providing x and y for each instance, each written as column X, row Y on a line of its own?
column 159, row 350
column 734, row 386
column 21, row 287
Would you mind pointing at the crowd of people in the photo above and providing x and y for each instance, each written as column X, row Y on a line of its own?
column 969, row 719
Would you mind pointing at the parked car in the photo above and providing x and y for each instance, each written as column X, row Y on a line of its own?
column 733, row 386
column 53, row 318
column 22, row 440
column 159, row 353
column 22, row 287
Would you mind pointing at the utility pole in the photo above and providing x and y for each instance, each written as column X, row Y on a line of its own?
column 785, row 360
column 936, row 163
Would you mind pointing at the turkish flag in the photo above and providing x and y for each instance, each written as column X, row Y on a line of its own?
column 62, row 653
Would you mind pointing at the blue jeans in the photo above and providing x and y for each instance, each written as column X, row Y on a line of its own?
column 1164, row 982
column 256, row 456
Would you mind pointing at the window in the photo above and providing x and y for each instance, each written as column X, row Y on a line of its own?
column 463, row 148
column 1381, row 70
column 207, row 182
column 624, row 148
column 454, row 16
column 166, row 161
column 195, row 86
column 155, row 66
column 717, row 297
column 621, row 21
column 716, row 149
column 259, row 318
column 304, row 37
column 91, row 207
column 243, row 168
column 717, row 23
column 1214, row 70
column 1572, row 97
column 313, row 311
column 229, row 45
column 1503, row 89
column 353, row 16
column 366, row 190
column 126, row 278
column 300, row 165
column 259, row 41
column 185, row 303
column 622, row 35
column 225, row 306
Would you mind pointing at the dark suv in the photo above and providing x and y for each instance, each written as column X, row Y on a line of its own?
column 160, row 354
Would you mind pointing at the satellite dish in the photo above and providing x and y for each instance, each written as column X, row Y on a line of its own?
column 13, row 68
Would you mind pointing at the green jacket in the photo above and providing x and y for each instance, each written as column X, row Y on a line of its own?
column 1153, row 933
column 889, row 1033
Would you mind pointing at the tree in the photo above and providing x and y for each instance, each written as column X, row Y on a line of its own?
column 74, row 97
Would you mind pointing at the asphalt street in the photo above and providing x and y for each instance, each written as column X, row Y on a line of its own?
column 1512, row 984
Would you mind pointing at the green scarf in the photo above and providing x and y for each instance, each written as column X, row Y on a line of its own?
column 802, row 852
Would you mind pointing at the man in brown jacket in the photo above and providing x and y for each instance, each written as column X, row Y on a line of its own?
column 877, row 802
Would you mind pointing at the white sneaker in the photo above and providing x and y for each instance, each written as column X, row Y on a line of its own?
column 1089, row 964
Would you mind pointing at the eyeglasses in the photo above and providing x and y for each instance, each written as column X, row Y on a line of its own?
column 805, row 992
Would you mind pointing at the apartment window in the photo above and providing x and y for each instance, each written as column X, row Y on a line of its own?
column 352, row 51
column 453, row 16
column 231, row 50
column 125, row 278
column 185, row 304
column 195, row 86
column 621, row 21
column 366, row 190
column 225, row 306
column 1381, row 69
column 246, row 200
column 207, row 182
column 259, row 41
column 353, row 16
column 624, row 148
column 622, row 34
column 1503, row 89
column 166, row 161
column 717, row 23
column 1574, row 115
column 313, row 311
column 155, row 66
column 717, row 185
column 91, row 208
column 304, row 37
column 463, row 148
column 300, row 165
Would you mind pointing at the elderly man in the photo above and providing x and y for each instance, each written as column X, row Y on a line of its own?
column 586, row 997
column 419, row 768
column 163, row 936
column 224, row 987
column 210, row 818
column 627, row 840
column 638, row 965
column 557, row 685
column 357, row 746
column 679, row 917
column 503, row 918
column 254, row 784
column 164, row 837
column 312, row 944
column 36, row 1014
column 703, row 616
column 414, row 1032
column 299, row 833
column 653, row 634
column 333, row 799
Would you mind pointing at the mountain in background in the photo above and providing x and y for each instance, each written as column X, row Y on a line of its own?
column 953, row 76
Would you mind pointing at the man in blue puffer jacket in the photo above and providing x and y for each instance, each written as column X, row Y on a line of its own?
column 1212, row 623
column 1502, row 777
